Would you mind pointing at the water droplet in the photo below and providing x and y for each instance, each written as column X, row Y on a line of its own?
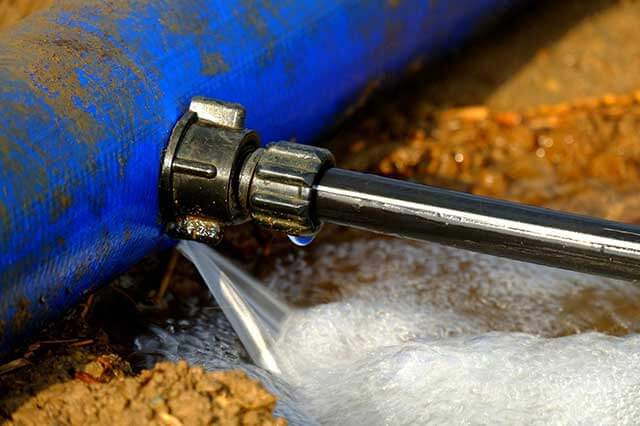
column 301, row 240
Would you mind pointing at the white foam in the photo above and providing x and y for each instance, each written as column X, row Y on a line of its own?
column 496, row 294
column 490, row 378
column 422, row 334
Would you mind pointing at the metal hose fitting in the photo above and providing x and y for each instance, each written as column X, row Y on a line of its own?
column 214, row 174
column 277, row 186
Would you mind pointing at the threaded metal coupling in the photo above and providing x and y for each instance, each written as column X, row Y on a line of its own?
column 214, row 175
column 278, row 194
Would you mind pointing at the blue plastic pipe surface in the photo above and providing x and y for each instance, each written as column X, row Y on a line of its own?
column 90, row 90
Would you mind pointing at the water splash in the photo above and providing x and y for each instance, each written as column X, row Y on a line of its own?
column 423, row 334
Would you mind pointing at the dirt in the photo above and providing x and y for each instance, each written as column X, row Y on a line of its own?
column 72, row 374
column 581, row 156
column 542, row 111
column 169, row 394
column 554, row 52
column 80, row 365
column 12, row 11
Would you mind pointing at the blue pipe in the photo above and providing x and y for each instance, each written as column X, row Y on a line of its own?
column 90, row 89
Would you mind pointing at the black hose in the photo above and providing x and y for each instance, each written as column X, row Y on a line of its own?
column 500, row 228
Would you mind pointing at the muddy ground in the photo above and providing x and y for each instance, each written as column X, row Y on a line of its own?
column 544, row 111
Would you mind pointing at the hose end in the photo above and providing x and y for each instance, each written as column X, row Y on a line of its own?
column 201, row 168
column 215, row 174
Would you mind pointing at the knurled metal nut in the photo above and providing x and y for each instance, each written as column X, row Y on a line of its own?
column 282, row 186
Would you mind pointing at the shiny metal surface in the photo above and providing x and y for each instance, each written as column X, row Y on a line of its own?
column 225, row 114
column 481, row 224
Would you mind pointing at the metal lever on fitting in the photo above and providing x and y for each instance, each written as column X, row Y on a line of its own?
column 214, row 174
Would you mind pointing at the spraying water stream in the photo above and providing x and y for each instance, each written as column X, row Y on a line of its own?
column 422, row 334
column 256, row 315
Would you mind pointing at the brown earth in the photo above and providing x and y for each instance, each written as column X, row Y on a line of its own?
column 11, row 11
column 581, row 156
column 72, row 375
column 169, row 394
column 476, row 122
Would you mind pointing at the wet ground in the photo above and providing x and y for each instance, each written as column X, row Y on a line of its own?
column 543, row 111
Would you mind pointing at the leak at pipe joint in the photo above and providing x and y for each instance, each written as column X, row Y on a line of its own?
column 256, row 315
column 400, row 350
column 393, row 352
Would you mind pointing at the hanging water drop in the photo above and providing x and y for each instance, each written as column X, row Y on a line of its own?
column 301, row 240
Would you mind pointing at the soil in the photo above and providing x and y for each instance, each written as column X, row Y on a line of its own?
column 72, row 374
column 169, row 394
column 543, row 110
column 581, row 156
column 12, row 11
